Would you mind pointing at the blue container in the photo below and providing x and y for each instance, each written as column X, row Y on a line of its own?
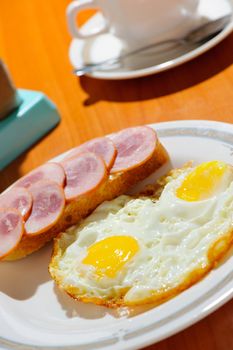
column 35, row 116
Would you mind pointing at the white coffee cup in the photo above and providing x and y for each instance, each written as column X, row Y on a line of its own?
column 136, row 21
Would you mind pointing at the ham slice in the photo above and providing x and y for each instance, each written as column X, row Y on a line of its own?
column 48, row 205
column 11, row 230
column 134, row 147
column 84, row 173
column 48, row 171
column 17, row 198
column 101, row 146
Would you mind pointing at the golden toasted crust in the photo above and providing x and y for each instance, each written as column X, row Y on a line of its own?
column 110, row 188
column 216, row 252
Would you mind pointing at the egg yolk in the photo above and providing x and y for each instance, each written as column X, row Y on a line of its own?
column 109, row 255
column 202, row 182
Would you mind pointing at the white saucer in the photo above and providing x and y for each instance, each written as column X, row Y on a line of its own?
column 106, row 46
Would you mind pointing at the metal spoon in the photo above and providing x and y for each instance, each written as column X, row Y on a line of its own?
column 198, row 36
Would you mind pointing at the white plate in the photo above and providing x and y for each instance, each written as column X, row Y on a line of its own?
column 34, row 314
column 106, row 46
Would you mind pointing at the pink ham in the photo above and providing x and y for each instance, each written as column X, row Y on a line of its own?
column 17, row 198
column 84, row 173
column 48, row 205
column 48, row 171
column 134, row 146
column 11, row 230
column 101, row 146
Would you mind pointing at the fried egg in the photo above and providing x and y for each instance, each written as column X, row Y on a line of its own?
column 131, row 251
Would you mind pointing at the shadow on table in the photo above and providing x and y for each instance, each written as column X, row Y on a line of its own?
column 11, row 173
column 177, row 79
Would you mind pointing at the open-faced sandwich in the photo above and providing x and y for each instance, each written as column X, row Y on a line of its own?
column 58, row 194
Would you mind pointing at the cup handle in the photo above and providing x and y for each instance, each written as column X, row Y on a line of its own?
column 72, row 10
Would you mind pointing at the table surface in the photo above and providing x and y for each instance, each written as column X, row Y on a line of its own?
column 34, row 44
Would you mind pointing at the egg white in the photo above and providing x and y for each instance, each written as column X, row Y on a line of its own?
column 176, row 245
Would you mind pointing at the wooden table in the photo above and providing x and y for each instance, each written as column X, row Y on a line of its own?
column 34, row 43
